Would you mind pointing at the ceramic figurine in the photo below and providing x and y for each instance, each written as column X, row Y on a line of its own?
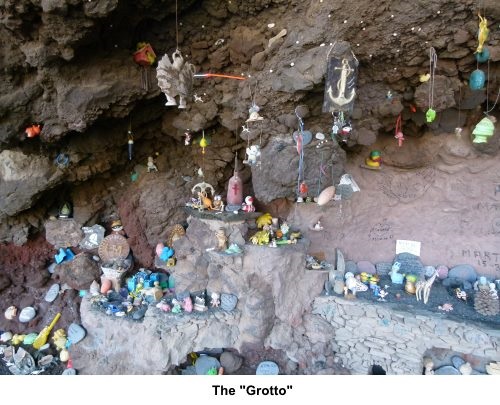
column 248, row 205
column 199, row 304
column 260, row 238
column 187, row 138
column 317, row 226
column 215, row 301
column 175, row 78
column 205, row 201
column 59, row 338
column 221, row 240
column 374, row 160
column 484, row 129
column 410, row 281
column 218, row 204
column 151, row 165
column 65, row 211
column 187, row 304
column 460, row 294
column 233, row 249
column 482, row 34
column 353, row 285
column 273, row 243
column 423, row 288
column 382, row 294
column 176, row 308
column 428, row 366
column 254, row 113
column 145, row 55
column 284, row 229
column 253, row 153
column 117, row 227
column 396, row 277
column 33, row 131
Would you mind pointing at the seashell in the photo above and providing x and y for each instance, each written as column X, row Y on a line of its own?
column 319, row 136
column 106, row 286
column 94, row 288
column 326, row 195
column 27, row 314
column 64, row 355
column 11, row 313
column 5, row 337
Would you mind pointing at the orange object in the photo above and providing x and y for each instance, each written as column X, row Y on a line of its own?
column 219, row 75
column 413, row 109
column 279, row 234
column 145, row 55
column 303, row 189
column 33, row 131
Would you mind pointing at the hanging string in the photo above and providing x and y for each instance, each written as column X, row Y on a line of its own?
column 494, row 105
column 320, row 173
column 432, row 71
column 176, row 27
column 300, row 142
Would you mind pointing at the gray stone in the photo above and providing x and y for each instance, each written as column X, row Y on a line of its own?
column 63, row 233
column 69, row 371
column 76, row 333
column 463, row 272
column 366, row 267
column 446, row 370
column 409, row 264
column 228, row 302
column 350, row 267
column 205, row 363
column 52, row 294
column 27, row 314
column 267, row 368
column 93, row 237
column 230, row 362
column 383, row 268
column 79, row 272
column 52, row 268
column 457, row 362
column 429, row 271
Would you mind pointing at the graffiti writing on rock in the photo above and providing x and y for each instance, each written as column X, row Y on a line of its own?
column 381, row 231
column 483, row 258
column 407, row 187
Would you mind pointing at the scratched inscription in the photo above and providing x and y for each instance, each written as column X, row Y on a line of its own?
column 381, row 231
column 483, row 258
column 407, row 187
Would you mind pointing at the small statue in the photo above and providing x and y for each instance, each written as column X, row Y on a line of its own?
column 285, row 228
column 396, row 278
column 175, row 78
column 382, row 294
column 253, row 153
column 218, row 204
column 460, row 294
column 176, row 307
column 187, row 304
column 205, row 201
column 151, row 165
column 317, row 226
column 188, row 137
column 65, row 211
column 248, row 205
column 254, row 113
column 215, row 302
column 199, row 304
column 221, row 240
column 117, row 227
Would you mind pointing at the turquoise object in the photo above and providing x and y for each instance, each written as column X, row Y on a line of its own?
column 134, row 176
column 483, row 56
column 30, row 339
column 396, row 277
column 477, row 79
column 60, row 256
column 166, row 253
column 171, row 282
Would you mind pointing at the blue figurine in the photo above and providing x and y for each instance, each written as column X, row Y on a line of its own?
column 166, row 253
column 396, row 277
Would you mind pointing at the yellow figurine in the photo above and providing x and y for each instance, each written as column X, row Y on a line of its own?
column 265, row 219
column 59, row 339
column 17, row 339
column 483, row 33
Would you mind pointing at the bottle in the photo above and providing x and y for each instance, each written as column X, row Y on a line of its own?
column 235, row 189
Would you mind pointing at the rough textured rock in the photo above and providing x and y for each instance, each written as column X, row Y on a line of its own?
column 79, row 272
column 463, row 272
column 63, row 233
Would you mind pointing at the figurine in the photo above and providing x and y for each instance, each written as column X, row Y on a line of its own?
column 233, row 249
column 117, row 227
column 460, row 294
column 234, row 189
column 428, row 366
column 284, row 229
column 218, row 204
column 65, row 211
column 206, row 203
column 215, row 302
column 175, row 78
column 399, row 136
column 163, row 306
column 151, row 165
column 188, row 138
column 221, row 239
column 253, row 153
column 447, row 307
column 176, row 308
column 260, row 238
column 423, row 288
column 248, row 205
column 264, row 219
column 317, row 226
column 254, row 113
column 273, row 243
column 382, row 294
column 482, row 34
column 396, row 277
column 353, row 285
column 187, row 304
column 199, row 304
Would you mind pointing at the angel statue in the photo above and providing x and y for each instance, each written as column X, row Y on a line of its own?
column 175, row 78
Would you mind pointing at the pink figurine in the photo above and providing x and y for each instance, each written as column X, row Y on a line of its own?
column 187, row 304
column 248, row 205
column 163, row 306
column 399, row 136
column 399, row 131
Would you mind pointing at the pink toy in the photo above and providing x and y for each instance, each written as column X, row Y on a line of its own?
column 399, row 131
column 159, row 249
column 248, row 205
column 187, row 304
column 163, row 306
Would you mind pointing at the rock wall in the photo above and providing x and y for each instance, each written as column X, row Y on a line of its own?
column 395, row 338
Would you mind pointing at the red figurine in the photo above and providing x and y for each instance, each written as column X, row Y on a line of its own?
column 33, row 131
column 144, row 56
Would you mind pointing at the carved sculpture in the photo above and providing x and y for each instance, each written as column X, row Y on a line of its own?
column 423, row 288
column 175, row 78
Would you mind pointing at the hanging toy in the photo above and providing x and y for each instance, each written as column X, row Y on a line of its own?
column 144, row 57
column 399, row 131
column 254, row 113
column 130, row 143
column 484, row 129
column 430, row 115
column 203, row 143
column 253, row 153
column 175, row 78
column 482, row 35
column 482, row 57
column 33, row 131
column 477, row 79
column 187, row 138
column 303, row 189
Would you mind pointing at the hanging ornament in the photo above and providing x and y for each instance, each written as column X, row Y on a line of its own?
column 187, row 138
column 203, row 143
column 303, row 189
column 430, row 115
column 175, row 78
column 483, row 32
column 483, row 56
column 253, row 155
column 399, row 131
column 144, row 57
column 130, row 142
column 477, row 79
column 33, row 131
column 484, row 130
column 254, row 113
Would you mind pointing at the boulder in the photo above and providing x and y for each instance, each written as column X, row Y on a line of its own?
column 409, row 264
column 366, row 267
column 63, row 233
column 78, row 273
column 463, row 272
column 230, row 362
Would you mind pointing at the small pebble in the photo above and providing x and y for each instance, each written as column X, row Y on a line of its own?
column 27, row 314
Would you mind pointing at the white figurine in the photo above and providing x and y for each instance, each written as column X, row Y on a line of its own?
column 253, row 153
column 151, row 165
column 317, row 226
column 215, row 302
